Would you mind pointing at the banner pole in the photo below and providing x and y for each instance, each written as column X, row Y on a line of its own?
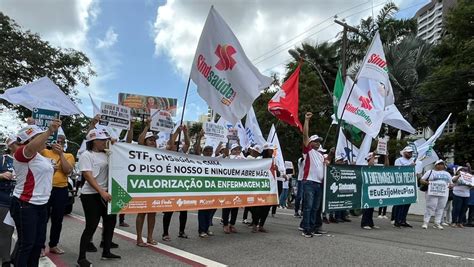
column 276, row 124
column 182, row 113
column 339, row 122
column 327, row 134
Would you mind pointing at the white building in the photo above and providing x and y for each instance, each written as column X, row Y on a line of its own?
column 430, row 19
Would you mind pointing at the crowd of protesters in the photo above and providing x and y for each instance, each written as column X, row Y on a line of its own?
column 34, row 189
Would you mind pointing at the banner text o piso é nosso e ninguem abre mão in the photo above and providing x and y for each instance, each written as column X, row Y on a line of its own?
column 144, row 179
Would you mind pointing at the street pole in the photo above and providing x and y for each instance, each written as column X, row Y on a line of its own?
column 345, row 29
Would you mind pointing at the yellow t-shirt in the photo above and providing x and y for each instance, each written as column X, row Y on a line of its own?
column 59, row 177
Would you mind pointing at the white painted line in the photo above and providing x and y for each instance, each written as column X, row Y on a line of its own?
column 449, row 255
column 169, row 249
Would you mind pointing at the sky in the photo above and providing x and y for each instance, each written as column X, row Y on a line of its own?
column 147, row 46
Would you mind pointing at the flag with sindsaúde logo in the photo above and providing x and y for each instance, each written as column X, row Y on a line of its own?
column 225, row 77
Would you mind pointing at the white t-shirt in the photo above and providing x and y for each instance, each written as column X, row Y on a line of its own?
column 286, row 184
column 434, row 175
column 313, row 165
column 97, row 163
column 300, row 170
column 403, row 162
column 460, row 188
column 34, row 177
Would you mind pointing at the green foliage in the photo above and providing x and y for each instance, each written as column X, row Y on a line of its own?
column 24, row 57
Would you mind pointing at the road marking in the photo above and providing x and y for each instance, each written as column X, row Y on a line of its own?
column 449, row 255
column 175, row 253
column 46, row 262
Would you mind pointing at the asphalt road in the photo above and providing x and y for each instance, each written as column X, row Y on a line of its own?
column 345, row 245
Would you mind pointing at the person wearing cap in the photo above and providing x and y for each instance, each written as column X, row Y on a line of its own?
column 400, row 212
column 204, row 216
column 63, row 164
column 229, row 215
column 461, row 194
column 172, row 145
column 34, row 177
column 7, row 184
column 260, row 213
column 435, row 203
column 93, row 165
column 313, row 176
column 367, row 221
column 148, row 139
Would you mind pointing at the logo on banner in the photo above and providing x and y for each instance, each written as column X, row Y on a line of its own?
column 237, row 200
column 365, row 102
column 225, row 53
column 378, row 61
column 336, row 174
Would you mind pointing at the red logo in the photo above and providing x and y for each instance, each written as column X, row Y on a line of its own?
column 224, row 53
column 365, row 102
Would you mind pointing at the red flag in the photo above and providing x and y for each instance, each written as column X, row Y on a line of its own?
column 284, row 104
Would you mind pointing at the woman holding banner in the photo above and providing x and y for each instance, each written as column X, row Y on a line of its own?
column 146, row 138
column 93, row 165
column 436, row 199
column 183, row 215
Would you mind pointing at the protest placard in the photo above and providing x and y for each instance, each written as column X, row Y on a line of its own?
column 467, row 178
column 161, row 121
column 43, row 118
column 145, row 179
column 215, row 132
column 438, row 188
column 142, row 105
column 114, row 116
column 382, row 146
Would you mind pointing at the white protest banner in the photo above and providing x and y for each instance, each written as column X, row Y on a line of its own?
column 215, row 131
column 161, row 121
column 466, row 178
column 114, row 116
column 438, row 188
column 382, row 146
column 145, row 179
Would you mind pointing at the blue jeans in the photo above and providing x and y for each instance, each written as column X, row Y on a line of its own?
column 299, row 195
column 204, row 220
column 312, row 194
column 30, row 221
column 56, row 205
column 459, row 209
column 283, row 197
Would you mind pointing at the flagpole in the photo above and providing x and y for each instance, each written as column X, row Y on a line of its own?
column 320, row 76
column 274, row 133
column 182, row 113
column 327, row 134
column 339, row 122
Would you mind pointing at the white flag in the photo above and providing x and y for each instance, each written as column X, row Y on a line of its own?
column 394, row 118
column 42, row 93
column 364, row 150
column 345, row 148
column 374, row 67
column 244, row 141
column 252, row 129
column 225, row 77
column 427, row 160
column 95, row 108
column 361, row 108
column 426, row 149
column 273, row 139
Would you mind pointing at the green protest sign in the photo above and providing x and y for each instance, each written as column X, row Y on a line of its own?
column 43, row 118
column 343, row 187
column 355, row 187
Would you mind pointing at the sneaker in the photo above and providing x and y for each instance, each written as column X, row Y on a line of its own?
column 453, row 225
column 307, row 235
column 300, row 229
column 392, row 222
column 203, row 235
column 91, row 247
column 385, row 217
column 56, row 250
column 112, row 245
column 124, row 224
column 397, row 225
column 437, row 226
column 245, row 221
column 406, row 225
column 210, row 233
column 321, row 232
column 297, row 215
column 110, row 256
column 84, row 263
column 380, row 217
column 317, row 233
column 375, row 227
column 424, row 226
column 367, row 228
column 459, row 225
column 445, row 224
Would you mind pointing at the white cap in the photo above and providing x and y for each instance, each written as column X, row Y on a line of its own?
column 235, row 146
column 322, row 150
column 10, row 140
column 407, row 149
column 268, row 146
column 28, row 132
column 370, row 155
column 150, row 134
column 95, row 134
column 316, row 138
column 439, row 161
column 257, row 148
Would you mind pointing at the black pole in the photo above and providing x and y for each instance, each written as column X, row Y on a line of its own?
column 320, row 76
column 327, row 134
column 182, row 114
column 276, row 124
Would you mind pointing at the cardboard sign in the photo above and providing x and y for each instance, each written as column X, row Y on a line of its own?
column 438, row 188
column 114, row 116
column 467, row 178
column 161, row 121
column 215, row 131
column 44, row 117
column 143, row 105
column 382, row 146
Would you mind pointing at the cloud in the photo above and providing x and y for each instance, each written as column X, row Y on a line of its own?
column 109, row 40
column 266, row 29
